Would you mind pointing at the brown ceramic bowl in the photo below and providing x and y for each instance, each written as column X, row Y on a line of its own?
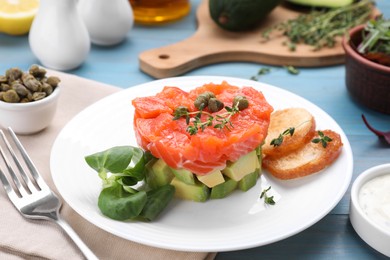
column 368, row 82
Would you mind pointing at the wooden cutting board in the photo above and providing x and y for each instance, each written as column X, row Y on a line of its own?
column 211, row 44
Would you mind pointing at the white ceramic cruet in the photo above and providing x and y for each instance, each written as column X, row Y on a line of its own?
column 108, row 22
column 58, row 36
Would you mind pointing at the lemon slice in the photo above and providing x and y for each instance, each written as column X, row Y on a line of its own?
column 16, row 16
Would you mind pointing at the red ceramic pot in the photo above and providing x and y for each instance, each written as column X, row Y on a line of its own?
column 368, row 82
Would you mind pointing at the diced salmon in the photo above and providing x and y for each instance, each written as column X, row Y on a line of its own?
column 211, row 148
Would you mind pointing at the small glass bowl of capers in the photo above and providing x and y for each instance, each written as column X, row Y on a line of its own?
column 28, row 100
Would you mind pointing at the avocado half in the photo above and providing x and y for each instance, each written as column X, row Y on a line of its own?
column 240, row 15
column 322, row 3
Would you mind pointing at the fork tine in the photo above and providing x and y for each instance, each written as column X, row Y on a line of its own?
column 22, row 172
column 20, row 188
column 33, row 170
column 7, row 186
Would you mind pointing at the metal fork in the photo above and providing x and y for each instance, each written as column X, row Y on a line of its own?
column 30, row 194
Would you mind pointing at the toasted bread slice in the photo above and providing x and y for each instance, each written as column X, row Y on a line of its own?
column 304, row 129
column 311, row 158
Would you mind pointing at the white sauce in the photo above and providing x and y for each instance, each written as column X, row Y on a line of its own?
column 374, row 199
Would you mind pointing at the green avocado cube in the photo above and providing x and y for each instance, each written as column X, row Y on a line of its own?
column 198, row 192
column 245, row 165
column 222, row 190
column 158, row 173
column 184, row 175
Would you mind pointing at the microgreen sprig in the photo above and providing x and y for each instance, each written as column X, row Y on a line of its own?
column 323, row 139
column 279, row 140
column 267, row 200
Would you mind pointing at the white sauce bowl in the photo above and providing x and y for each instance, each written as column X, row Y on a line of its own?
column 368, row 229
column 31, row 117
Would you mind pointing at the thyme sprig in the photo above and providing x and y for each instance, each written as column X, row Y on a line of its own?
column 267, row 200
column 279, row 140
column 323, row 139
column 289, row 131
column 219, row 121
column 319, row 28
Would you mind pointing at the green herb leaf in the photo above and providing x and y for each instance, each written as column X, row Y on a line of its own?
column 267, row 200
column 116, row 160
column 292, row 70
column 279, row 140
column 116, row 203
column 157, row 200
column 264, row 71
column 323, row 139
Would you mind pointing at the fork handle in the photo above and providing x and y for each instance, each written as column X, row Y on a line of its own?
column 76, row 239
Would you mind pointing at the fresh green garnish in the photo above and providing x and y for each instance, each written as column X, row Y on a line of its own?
column 267, row 200
column 262, row 71
column 292, row 70
column 121, row 168
column 221, row 120
column 279, row 140
column 377, row 37
column 320, row 28
column 323, row 139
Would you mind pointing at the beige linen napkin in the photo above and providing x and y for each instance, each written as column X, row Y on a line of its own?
column 24, row 239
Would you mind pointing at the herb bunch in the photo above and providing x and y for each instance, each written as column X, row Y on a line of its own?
column 375, row 44
column 319, row 28
column 219, row 121
column 377, row 37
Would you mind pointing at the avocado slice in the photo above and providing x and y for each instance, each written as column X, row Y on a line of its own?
column 249, row 180
column 322, row 3
column 198, row 192
column 211, row 179
column 158, row 173
column 245, row 165
column 184, row 175
column 222, row 190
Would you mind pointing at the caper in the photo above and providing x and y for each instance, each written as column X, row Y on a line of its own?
column 215, row 105
column 13, row 74
column 38, row 95
column 11, row 96
column 201, row 102
column 19, row 88
column 31, row 83
column 5, row 87
column 53, row 81
column 208, row 94
column 3, row 79
column 241, row 102
column 47, row 88
column 37, row 72
column 30, row 96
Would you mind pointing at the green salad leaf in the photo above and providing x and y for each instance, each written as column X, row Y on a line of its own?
column 121, row 169
column 116, row 203
column 158, row 200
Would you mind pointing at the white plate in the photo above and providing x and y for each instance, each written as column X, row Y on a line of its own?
column 216, row 225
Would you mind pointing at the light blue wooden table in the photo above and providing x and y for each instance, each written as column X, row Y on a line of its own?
column 332, row 237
